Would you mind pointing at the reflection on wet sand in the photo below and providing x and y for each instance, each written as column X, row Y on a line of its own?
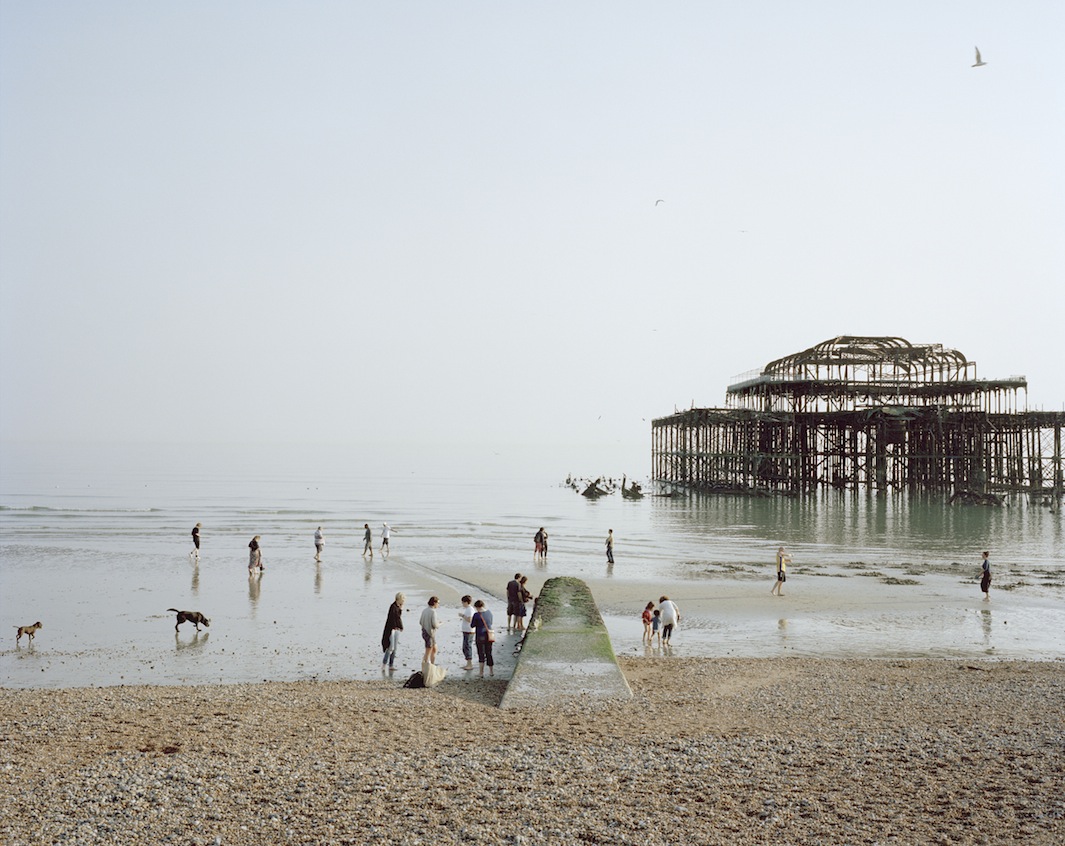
column 199, row 640
column 985, row 623
column 254, row 583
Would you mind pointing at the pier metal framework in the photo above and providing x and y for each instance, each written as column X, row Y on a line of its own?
column 865, row 412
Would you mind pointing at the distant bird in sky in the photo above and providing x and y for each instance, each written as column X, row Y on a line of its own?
column 659, row 201
column 979, row 62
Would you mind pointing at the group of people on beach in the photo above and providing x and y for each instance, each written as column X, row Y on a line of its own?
column 476, row 623
column 255, row 555
column 658, row 623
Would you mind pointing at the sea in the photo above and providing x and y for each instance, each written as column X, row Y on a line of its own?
column 95, row 544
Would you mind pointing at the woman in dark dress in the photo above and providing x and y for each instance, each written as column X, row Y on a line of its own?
column 390, row 636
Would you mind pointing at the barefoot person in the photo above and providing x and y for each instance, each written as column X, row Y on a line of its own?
column 430, row 623
column 319, row 542
column 647, row 617
column 390, row 636
column 466, row 616
column 783, row 560
column 255, row 555
column 670, row 614
column 386, row 533
column 485, row 637
column 985, row 577
column 513, row 594
column 196, row 542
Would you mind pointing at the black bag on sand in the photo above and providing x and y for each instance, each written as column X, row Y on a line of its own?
column 416, row 680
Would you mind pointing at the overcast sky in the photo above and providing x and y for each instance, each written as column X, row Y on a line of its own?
column 425, row 223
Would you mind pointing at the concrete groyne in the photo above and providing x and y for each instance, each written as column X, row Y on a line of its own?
column 566, row 654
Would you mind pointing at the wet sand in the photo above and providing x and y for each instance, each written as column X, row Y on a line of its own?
column 302, row 621
column 710, row 751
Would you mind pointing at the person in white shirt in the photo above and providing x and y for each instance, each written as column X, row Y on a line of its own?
column 430, row 623
column 386, row 533
column 466, row 615
column 319, row 542
column 670, row 618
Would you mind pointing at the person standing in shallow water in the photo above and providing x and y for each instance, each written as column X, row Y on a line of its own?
column 255, row 555
column 513, row 595
column 485, row 638
column 430, row 622
column 466, row 615
column 196, row 541
column 610, row 547
column 367, row 541
column 319, row 542
column 783, row 560
column 985, row 577
column 670, row 614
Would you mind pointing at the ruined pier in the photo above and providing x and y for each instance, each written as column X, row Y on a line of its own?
column 865, row 413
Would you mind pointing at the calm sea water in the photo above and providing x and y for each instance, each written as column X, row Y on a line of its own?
column 94, row 542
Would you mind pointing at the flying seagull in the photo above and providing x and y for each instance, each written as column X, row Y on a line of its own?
column 979, row 62
column 659, row 201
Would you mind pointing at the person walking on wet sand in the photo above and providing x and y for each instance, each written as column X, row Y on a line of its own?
column 195, row 542
column 390, row 636
column 985, row 577
column 319, row 542
column 386, row 533
column 367, row 541
column 783, row 560
column 610, row 547
column 538, row 544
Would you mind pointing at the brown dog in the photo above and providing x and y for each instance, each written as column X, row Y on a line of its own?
column 27, row 630
column 190, row 617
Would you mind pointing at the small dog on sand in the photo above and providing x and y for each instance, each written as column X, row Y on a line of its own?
column 190, row 617
column 27, row 630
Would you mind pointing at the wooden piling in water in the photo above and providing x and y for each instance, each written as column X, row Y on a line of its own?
column 864, row 412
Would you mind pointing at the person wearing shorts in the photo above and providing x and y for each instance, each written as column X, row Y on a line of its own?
column 513, row 596
column 783, row 559
column 430, row 623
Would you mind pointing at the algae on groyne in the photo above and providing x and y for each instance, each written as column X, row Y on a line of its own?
column 566, row 654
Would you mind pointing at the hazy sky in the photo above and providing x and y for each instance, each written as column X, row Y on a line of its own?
column 391, row 223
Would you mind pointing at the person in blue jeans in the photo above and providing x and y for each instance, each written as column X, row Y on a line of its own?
column 390, row 636
column 466, row 615
column 484, row 636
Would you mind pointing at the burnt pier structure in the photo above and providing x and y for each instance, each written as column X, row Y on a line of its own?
column 873, row 413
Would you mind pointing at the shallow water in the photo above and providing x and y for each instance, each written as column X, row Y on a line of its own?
column 98, row 548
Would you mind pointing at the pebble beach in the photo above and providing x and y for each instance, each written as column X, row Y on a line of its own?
column 786, row 750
